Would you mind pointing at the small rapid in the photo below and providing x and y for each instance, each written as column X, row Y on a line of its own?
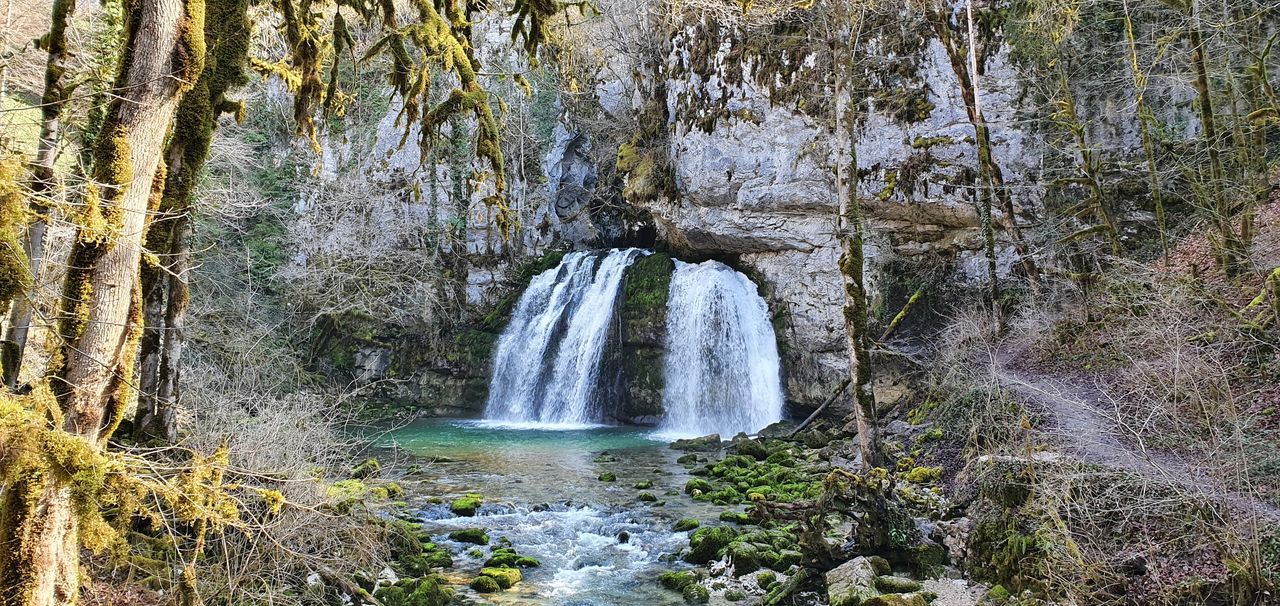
column 542, row 493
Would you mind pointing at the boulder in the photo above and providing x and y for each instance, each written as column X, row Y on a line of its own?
column 852, row 583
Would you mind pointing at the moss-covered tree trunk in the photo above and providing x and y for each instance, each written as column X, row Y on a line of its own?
column 226, row 34
column 852, row 259
column 965, row 64
column 43, row 181
column 1230, row 245
column 100, row 314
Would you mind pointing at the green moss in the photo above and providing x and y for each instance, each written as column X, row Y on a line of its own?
column 923, row 475
column 426, row 591
column 766, row 580
column 367, row 469
column 745, row 558
column 695, row 594
column 475, row 536
column 676, row 581
column 506, row 577
column 466, row 505
column 484, row 584
column 707, row 544
column 737, row 517
column 697, row 486
column 607, row 476
column 648, row 281
column 643, row 485
column 15, row 275
column 892, row 584
column 647, row 497
column 686, row 525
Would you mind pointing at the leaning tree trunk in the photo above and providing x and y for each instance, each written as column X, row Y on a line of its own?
column 99, row 319
column 852, row 265
column 42, row 182
column 165, row 290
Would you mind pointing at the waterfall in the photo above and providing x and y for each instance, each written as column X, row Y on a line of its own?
column 722, row 371
column 547, row 366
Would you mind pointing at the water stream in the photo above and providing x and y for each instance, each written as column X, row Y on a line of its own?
column 542, row 493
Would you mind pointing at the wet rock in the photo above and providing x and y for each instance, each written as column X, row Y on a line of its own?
column 686, row 525
column 475, row 536
column 466, row 505
column 752, row 448
column 777, row 431
column 506, row 577
column 485, row 585
column 706, row 544
column 367, row 469
column 696, row 594
column 608, row 476
column 689, row 459
column 703, row 444
column 677, row 581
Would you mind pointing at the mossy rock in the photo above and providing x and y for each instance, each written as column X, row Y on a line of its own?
column 706, row 443
column 766, row 580
column 707, row 544
column 506, row 577
column 892, row 584
column 695, row 594
column 735, row 595
column 897, row 599
column 648, row 282
column 698, row 484
column 923, row 475
column 475, row 536
column 608, row 476
column 647, row 497
column 643, row 485
column 737, row 517
column 367, row 469
column 688, row 459
column 750, row 448
column 466, row 505
column 686, row 525
column 483, row 584
column 745, row 558
column 425, row 591
column 676, row 581
column 394, row 490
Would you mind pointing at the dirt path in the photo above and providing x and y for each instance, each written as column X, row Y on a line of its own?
column 1082, row 419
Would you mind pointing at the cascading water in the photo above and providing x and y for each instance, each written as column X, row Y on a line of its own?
column 547, row 365
column 722, row 371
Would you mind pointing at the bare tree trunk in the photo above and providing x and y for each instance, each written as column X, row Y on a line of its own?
column 43, row 181
column 852, row 265
column 100, row 315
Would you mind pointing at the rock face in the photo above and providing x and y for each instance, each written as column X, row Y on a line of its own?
column 638, row 362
